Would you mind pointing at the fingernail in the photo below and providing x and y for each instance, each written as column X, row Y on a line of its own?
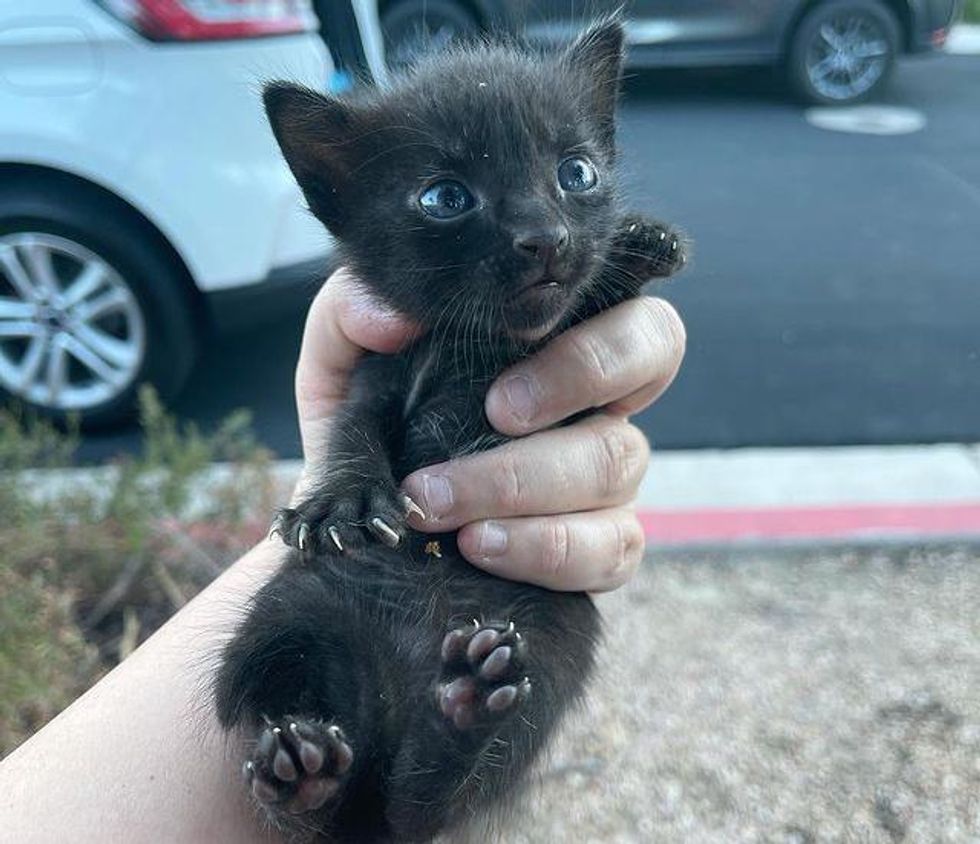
column 522, row 397
column 437, row 495
column 492, row 541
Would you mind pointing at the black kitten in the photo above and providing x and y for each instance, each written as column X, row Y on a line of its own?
column 389, row 689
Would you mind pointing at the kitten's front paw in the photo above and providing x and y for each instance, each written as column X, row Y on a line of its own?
column 483, row 678
column 337, row 522
column 297, row 765
column 648, row 248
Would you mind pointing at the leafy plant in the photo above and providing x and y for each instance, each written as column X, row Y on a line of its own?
column 92, row 563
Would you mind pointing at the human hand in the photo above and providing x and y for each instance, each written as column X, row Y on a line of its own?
column 558, row 501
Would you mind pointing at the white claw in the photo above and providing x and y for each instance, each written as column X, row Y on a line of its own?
column 277, row 731
column 304, row 536
column 663, row 235
column 335, row 732
column 385, row 533
column 510, row 628
column 334, row 535
column 412, row 507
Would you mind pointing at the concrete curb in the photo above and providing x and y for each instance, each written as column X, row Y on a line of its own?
column 855, row 495
column 768, row 497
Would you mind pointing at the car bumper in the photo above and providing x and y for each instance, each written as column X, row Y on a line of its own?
column 932, row 23
column 283, row 294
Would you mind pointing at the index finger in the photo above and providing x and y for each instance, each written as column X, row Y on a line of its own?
column 344, row 320
column 621, row 360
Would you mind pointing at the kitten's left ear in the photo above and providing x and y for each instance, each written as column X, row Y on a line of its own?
column 598, row 53
column 315, row 134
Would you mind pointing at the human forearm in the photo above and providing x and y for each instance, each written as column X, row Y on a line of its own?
column 139, row 758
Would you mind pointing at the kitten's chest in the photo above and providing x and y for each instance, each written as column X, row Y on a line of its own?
column 443, row 415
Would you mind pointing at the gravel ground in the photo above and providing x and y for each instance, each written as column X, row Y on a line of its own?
column 793, row 698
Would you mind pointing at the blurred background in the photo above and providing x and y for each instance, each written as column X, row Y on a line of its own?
column 149, row 231
column 802, row 663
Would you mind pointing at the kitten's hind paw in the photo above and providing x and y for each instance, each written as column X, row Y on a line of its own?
column 335, row 523
column 297, row 765
column 483, row 678
column 648, row 249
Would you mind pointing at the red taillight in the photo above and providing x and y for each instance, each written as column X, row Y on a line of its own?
column 939, row 37
column 208, row 20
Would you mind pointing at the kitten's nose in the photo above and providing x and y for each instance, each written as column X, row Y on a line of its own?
column 542, row 243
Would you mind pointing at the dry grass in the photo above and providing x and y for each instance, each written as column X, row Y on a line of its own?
column 87, row 572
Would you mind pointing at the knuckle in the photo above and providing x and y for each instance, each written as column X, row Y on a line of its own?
column 593, row 356
column 666, row 325
column 555, row 553
column 622, row 458
column 629, row 546
column 507, row 485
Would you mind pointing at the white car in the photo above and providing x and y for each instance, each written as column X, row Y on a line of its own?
column 143, row 201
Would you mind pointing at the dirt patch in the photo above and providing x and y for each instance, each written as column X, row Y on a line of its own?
column 801, row 699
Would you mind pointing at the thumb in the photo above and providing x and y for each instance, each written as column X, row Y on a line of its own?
column 343, row 321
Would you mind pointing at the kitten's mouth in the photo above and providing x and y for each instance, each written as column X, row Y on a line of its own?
column 536, row 309
column 542, row 284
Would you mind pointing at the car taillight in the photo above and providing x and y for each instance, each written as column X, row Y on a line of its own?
column 208, row 20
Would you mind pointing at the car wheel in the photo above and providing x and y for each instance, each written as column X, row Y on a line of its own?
column 843, row 52
column 90, row 307
column 412, row 28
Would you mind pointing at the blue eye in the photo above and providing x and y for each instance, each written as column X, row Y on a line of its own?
column 577, row 174
column 446, row 199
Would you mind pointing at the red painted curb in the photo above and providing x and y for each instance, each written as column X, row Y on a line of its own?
column 861, row 521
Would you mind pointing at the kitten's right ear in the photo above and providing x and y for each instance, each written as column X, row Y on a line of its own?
column 598, row 53
column 314, row 133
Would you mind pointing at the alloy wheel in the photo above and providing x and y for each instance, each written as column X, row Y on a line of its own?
column 72, row 334
column 846, row 57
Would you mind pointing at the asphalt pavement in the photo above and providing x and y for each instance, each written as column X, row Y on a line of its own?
column 833, row 297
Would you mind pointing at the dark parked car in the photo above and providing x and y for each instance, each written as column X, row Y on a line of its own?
column 832, row 51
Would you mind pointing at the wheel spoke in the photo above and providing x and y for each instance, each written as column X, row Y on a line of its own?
column 852, row 29
column 57, row 371
column 107, row 347
column 91, row 361
column 871, row 49
column 112, row 300
column 15, row 309
column 40, row 269
column 20, row 328
column 16, row 274
column 30, row 364
column 85, row 284
column 822, row 69
column 831, row 36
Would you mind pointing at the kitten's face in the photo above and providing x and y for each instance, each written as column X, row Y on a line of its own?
column 478, row 195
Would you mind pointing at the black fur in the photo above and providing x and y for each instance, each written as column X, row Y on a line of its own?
column 396, row 692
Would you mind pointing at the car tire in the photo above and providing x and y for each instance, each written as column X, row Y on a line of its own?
column 136, row 317
column 413, row 27
column 843, row 52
